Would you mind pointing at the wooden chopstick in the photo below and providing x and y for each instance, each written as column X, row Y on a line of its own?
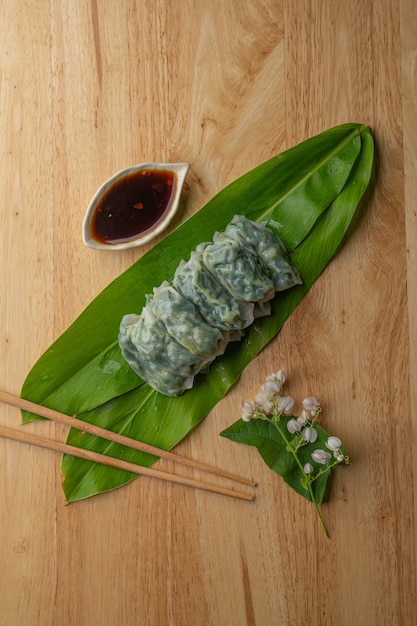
column 92, row 429
column 96, row 457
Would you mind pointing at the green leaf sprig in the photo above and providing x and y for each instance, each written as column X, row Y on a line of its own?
column 296, row 448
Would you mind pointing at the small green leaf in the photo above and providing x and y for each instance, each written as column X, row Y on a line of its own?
column 263, row 435
column 304, row 465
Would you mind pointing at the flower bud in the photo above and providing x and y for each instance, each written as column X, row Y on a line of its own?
column 320, row 456
column 311, row 404
column 308, row 468
column 265, row 403
column 249, row 408
column 280, row 376
column 293, row 426
column 271, row 388
column 285, row 404
column 303, row 419
column 310, row 434
column 333, row 443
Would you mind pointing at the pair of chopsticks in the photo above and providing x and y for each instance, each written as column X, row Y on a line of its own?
column 73, row 422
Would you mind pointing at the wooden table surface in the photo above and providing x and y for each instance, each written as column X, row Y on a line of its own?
column 89, row 88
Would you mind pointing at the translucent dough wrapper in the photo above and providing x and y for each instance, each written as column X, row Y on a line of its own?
column 152, row 367
column 215, row 303
column 239, row 271
column 260, row 240
column 183, row 322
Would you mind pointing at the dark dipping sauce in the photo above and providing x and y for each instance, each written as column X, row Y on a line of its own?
column 132, row 205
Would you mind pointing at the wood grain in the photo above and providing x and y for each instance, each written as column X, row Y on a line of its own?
column 88, row 88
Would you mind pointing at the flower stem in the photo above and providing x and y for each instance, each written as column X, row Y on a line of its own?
column 306, row 477
column 323, row 525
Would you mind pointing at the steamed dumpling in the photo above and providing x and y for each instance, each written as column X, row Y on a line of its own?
column 215, row 303
column 238, row 270
column 150, row 337
column 152, row 366
column 183, row 322
column 259, row 239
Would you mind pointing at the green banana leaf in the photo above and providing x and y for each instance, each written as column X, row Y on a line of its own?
column 308, row 195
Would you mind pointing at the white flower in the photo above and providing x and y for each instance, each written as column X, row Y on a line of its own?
column 312, row 405
column 340, row 458
column 333, row 443
column 303, row 419
column 280, row 377
column 249, row 409
column 308, row 468
column 272, row 387
column 277, row 379
column 320, row 456
column 285, row 404
column 293, row 426
column 265, row 403
column 267, row 394
column 310, row 434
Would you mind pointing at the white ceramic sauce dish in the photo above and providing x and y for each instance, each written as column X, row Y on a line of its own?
column 133, row 206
